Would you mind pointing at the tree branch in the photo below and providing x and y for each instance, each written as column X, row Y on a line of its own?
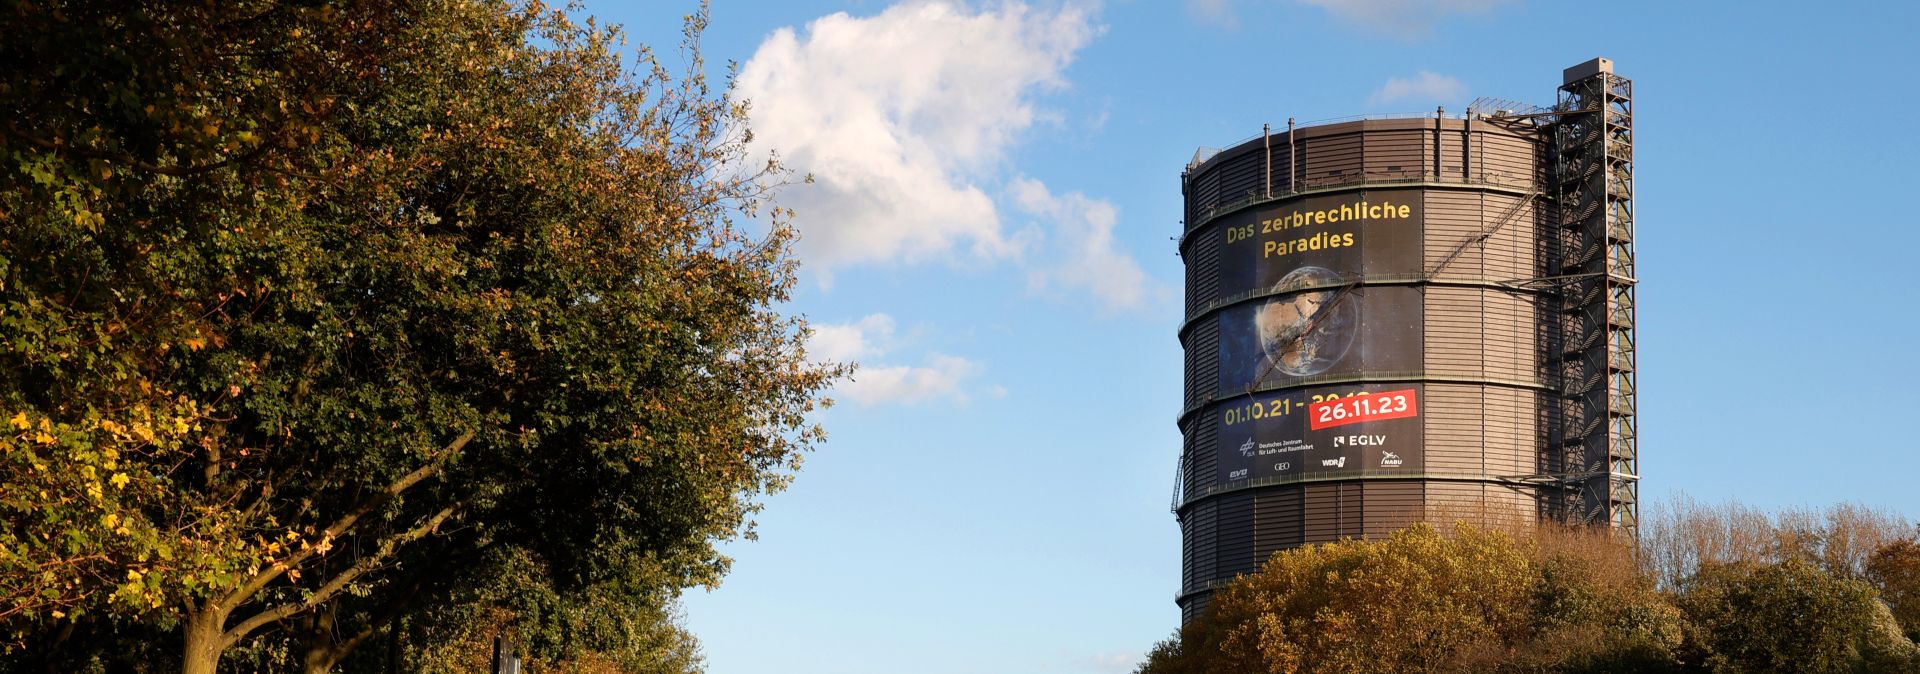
column 393, row 610
column 339, row 582
column 346, row 522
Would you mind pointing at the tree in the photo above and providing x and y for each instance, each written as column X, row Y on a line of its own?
column 614, row 627
column 1554, row 599
column 1592, row 610
column 1681, row 536
column 1894, row 570
column 1573, row 599
column 1410, row 603
column 306, row 324
column 1782, row 617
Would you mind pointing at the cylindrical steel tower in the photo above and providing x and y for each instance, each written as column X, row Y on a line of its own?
column 1388, row 320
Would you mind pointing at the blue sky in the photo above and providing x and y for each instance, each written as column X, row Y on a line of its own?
column 989, row 234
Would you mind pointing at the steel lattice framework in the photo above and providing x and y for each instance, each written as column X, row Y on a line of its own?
column 1595, row 433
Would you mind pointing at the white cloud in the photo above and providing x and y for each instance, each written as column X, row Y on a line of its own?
column 849, row 342
column 1403, row 18
column 1121, row 661
column 1218, row 12
column 900, row 118
column 1086, row 258
column 940, row 376
column 1424, row 87
column 1406, row 17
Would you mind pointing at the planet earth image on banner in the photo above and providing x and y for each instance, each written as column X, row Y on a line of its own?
column 1304, row 333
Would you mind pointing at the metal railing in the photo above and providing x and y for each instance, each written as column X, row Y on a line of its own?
column 1327, row 122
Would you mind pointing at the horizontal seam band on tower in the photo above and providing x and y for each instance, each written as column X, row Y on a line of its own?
column 1223, row 303
column 1409, row 377
column 1461, row 185
column 1262, row 483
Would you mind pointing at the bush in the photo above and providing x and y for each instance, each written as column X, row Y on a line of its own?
column 1727, row 589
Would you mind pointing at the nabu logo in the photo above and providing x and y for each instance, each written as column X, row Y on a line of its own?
column 1389, row 460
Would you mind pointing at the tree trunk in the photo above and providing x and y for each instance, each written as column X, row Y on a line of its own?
column 203, row 647
column 319, row 660
column 320, row 647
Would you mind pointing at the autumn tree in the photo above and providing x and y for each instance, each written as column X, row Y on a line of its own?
column 1410, row 603
column 1894, row 570
column 1705, row 589
column 1680, row 536
column 1782, row 617
column 308, row 310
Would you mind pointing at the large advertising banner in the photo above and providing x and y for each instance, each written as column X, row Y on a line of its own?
column 1307, row 336
column 1322, row 240
column 1328, row 431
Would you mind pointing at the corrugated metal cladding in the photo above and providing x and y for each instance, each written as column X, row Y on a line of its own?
column 1481, row 366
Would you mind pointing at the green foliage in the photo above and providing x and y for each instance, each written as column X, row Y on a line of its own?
column 1549, row 600
column 617, row 626
column 1785, row 617
column 308, row 311
column 1894, row 570
column 1410, row 603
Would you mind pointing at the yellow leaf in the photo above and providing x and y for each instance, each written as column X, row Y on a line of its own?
column 119, row 479
column 194, row 343
column 43, row 438
column 20, row 421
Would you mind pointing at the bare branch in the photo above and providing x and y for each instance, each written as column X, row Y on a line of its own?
column 345, row 523
column 340, row 582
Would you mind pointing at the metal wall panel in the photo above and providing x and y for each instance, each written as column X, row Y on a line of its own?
column 1242, row 180
column 1200, row 528
column 1203, row 194
column 1335, row 159
column 1202, row 466
column 1203, row 273
column 1235, row 533
column 1396, row 154
column 1277, row 521
column 1392, row 505
column 1203, row 362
